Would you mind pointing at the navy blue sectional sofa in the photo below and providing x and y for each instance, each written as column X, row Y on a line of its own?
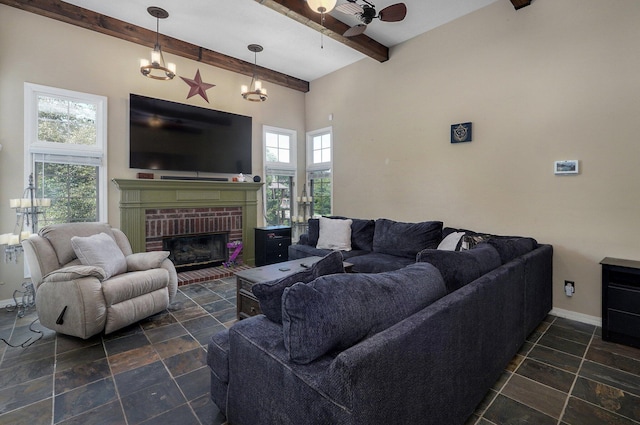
column 421, row 344
column 377, row 245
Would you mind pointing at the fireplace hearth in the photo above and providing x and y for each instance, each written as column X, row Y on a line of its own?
column 193, row 252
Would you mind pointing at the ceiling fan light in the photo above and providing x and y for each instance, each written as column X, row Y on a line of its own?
column 322, row 6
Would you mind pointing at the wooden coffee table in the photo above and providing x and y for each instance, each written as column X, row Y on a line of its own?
column 247, row 303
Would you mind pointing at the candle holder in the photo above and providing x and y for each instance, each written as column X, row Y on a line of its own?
column 29, row 209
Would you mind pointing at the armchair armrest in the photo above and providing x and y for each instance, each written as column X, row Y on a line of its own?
column 75, row 272
column 145, row 260
column 71, row 303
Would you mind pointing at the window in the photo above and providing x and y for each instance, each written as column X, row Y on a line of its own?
column 319, row 166
column 280, row 173
column 65, row 150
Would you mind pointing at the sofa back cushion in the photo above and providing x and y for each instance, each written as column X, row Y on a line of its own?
column 269, row 294
column 459, row 268
column 59, row 235
column 511, row 248
column 335, row 312
column 405, row 239
column 361, row 233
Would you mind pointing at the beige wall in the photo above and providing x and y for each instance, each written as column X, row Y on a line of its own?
column 43, row 51
column 557, row 80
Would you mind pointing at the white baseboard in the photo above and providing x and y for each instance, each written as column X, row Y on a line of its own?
column 578, row 317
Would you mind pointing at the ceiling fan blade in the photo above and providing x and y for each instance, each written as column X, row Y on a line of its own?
column 394, row 13
column 355, row 30
column 349, row 8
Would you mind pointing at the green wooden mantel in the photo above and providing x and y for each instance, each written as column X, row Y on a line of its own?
column 136, row 196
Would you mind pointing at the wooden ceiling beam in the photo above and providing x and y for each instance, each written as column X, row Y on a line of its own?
column 333, row 28
column 519, row 4
column 84, row 18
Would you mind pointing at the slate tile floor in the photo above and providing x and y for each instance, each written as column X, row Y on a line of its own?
column 155, row 372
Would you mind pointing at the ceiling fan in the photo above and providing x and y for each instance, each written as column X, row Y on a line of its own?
column 367, row 13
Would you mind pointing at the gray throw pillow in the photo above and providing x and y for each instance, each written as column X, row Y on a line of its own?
column 336, row 312
column 101, row 251
column 269, row 294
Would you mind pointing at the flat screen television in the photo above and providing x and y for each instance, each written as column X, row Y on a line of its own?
column 171, row 136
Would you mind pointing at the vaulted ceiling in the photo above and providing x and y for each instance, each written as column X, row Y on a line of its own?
column 297, row 48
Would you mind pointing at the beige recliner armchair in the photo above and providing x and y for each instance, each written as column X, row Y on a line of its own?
column 80, row 294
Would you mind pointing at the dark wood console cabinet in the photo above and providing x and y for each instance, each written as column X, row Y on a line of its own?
column 621, row 301
column 272, row 244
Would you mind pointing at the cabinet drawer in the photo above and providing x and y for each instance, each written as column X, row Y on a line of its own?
column 621, row 322
column 247, row 305
column 277, row 257
column 278, row 244
column 624, row 299
column 244, row 285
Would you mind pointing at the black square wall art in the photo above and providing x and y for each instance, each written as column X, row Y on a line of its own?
column 461, row 132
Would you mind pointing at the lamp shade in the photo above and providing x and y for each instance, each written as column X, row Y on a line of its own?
column 322, row 6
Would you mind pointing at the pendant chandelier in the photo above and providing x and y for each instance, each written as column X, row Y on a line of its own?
column 254, row 92
column 157, row 69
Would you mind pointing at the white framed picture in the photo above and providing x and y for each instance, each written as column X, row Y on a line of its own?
column 569, row 166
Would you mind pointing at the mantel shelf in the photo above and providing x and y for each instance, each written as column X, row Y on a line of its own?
column 136, row 196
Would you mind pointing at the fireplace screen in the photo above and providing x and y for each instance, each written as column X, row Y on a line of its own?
column 191, row 252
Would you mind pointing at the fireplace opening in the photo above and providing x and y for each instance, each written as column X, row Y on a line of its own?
column 192, row 252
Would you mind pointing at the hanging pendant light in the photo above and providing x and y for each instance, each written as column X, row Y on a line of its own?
column 156, row 69
column 322, row 6
column 254, row 92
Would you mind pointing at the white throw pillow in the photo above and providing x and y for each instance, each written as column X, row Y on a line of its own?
column 450, row 242
column 100, row 250
column 335, row 234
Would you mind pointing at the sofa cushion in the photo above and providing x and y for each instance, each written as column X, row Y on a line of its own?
column 59, row 235
column 405, row 239
column 298, row 251
column 334, row 234
column 375, row 262
column 335, row 312
column 510, row 248
column 145, row 260
column 459, row 268
column 269, row 294
column 100, row 250
column 362, row 231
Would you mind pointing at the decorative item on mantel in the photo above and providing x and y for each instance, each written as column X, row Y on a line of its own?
column 254, row 92
column 28, row 210
column 157, row 59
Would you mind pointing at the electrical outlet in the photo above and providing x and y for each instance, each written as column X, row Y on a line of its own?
column 569, row 288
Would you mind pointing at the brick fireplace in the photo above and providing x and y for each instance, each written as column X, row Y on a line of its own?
column 164, row 228
column 153, row 209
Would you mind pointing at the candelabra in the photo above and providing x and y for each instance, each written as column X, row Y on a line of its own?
column 28, row 210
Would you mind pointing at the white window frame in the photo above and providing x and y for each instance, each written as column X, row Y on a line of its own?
column 281, row 168
column 80, row 154
column 311, row 167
